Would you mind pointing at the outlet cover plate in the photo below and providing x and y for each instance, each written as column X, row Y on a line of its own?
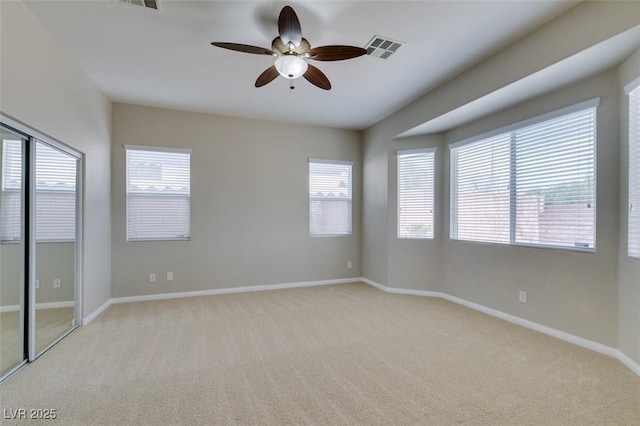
column 523, row 297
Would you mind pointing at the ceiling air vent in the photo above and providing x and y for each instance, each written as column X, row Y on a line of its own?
column 149, row 4
column 382, row 47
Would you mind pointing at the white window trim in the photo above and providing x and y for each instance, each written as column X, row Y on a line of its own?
column 128, row 147
column 416, row 151
column 320, row 160
column 157, row 149
column 591, row 103
column 632, row 85
column 403, row 152
column 343, row 162
column 528, row 122
column 628, row 88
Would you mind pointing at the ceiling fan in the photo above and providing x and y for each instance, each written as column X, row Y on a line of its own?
column 293, row 51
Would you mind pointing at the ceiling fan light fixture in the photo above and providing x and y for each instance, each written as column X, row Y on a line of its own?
column 292, row 51
column 291, row 66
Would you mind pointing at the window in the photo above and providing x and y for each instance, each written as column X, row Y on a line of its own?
column 329, row 198
column 415, row 193
column 55, row 193
column 158, row 193
column 634, row 172
column 531, row 185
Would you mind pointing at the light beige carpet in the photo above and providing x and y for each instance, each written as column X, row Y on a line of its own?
column 343, row 354
column 50, row 325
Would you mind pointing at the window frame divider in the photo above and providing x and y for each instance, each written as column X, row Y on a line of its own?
column 513, row 190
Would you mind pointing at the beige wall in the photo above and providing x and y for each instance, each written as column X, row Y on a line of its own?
column 45, row 89
column 249, row 203
column 629, row 270
column 570, row 291
column 557, row 40
column 10, row 274
column 54, row 260
column 375, row 209
column 414, row 264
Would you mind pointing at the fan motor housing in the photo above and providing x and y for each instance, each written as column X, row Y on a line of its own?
column 282, row 49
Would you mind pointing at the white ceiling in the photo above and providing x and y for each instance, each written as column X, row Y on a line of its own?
column 165, row 58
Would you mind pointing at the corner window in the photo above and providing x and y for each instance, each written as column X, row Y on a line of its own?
column 415, row 193
column 158, row 193
column 329, row 198
column 532, row 185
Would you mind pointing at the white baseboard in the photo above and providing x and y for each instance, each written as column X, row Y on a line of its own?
column 93, row 315
column 576, row 340
column 47, row 305
column 374, row 284
column 398, row 290
column 55, row 305
column 633, row 366
column 229, row 290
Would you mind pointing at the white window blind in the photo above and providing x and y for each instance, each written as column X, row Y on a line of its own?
column 534, row 185
column 11, row 190
column 158, row 194
column 480, row 191
column 634, row 174
column 415, row 193
column 329, row 198
column 55, row 193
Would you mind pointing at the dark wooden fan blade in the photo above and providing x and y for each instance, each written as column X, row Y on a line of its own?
column 244, row 48
column 335, row 53
column 289, row 27
column 267, row 76
column 317, row 78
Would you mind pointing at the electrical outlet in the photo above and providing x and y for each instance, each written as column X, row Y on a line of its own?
column 169, row 276
column 152, row 277
column 523, row 297
column 56, row 283
column 349, row 265
column 37, row 284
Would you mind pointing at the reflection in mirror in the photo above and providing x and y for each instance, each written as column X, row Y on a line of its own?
column 55, row 230
column 12, row 253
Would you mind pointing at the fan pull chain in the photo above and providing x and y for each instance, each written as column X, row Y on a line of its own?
column 291, row 86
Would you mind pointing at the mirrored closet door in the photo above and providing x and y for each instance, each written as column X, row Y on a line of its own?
column 12, row 252
column 55, row 206
column 40, row 248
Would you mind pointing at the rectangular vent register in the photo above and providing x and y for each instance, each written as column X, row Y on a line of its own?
column 149, row 4
column 382, row 47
